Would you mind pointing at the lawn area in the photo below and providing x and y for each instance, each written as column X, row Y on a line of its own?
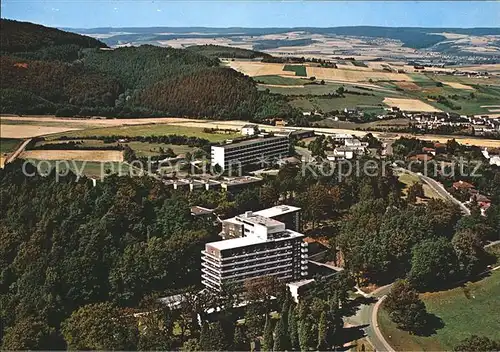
column 87, row 168
column 8, row 145
column 359, row 63
column 408, row 179
column 282, row 81
column 141, row 149
column 300, row 70
column 327, row 88
column 330, row 104
column 465, row 310
column 147, row 130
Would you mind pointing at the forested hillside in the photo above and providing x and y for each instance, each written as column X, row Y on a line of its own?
column 39, row 42
column 53, row 84
column 72, row 75
column 139, row 67
column 204, row 93
column 25, row 36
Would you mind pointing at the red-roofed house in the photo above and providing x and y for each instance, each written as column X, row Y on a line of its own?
column 462, row 185
column 429, row 150
column 421, row 157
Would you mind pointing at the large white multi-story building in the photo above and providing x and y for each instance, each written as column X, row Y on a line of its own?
column 287, row 214
column 251, row 151
column 267, row 248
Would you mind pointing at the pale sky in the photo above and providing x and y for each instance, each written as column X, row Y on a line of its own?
column 147, row 13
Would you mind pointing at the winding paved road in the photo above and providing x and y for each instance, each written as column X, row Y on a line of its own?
column 366, row 315
column 13, row 156
column 436, row 187
column 439, row 189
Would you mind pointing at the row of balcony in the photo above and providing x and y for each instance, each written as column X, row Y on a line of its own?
column 235, row 263
column 240, row 266
column 254, row 252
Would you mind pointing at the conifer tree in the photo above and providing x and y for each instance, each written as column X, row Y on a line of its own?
column 267, row 344
column 293, row 332
column 322, row 332
column 281, row 342
column 240, row 342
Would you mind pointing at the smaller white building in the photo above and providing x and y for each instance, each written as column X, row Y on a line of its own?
column 249, row 130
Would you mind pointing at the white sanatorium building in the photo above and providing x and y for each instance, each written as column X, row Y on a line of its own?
column 287, row 214
column 267, row 248
column 250, row 151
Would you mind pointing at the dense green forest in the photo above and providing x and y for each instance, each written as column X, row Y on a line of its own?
column 75, row 75
column 217, row 51
column 67, row 244
column 53, row 84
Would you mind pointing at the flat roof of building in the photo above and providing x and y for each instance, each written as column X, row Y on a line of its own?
column 197, row 210
column 252, row 240
column 241, row 180
column 300, row 283
column 277, row 210
column 269, row 212
column 249, row 141
column 258, row 219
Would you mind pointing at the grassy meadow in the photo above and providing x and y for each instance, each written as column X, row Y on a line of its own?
column 8, row 145
column 465, row 310
column 279, row 80
column 87, row 168
column 141, row 149
column 300, row 70
column 146, row 130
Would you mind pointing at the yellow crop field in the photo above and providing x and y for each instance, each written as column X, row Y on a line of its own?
column 81, row 155
column 410, row 104
column 457, row 85
column 27, row 131
column 355, row 75
column 252, row 69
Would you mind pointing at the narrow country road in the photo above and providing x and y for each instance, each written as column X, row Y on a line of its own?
column 436, row 187
column 367, row 315
column 13, row 156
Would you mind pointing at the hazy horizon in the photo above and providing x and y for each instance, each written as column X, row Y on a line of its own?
column 253, row 14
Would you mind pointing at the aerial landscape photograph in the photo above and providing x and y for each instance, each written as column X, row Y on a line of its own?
column 241, row 175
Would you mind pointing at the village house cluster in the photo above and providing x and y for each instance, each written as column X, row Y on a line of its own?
column 479, row 125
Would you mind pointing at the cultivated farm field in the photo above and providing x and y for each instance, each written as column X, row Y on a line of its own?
column 457, row 85
column 27, row 131
column 410, row 104
column 252, row 68
column 355, row 75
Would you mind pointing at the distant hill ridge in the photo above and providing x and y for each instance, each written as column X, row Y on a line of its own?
column 413, row 37
column 27, row 37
